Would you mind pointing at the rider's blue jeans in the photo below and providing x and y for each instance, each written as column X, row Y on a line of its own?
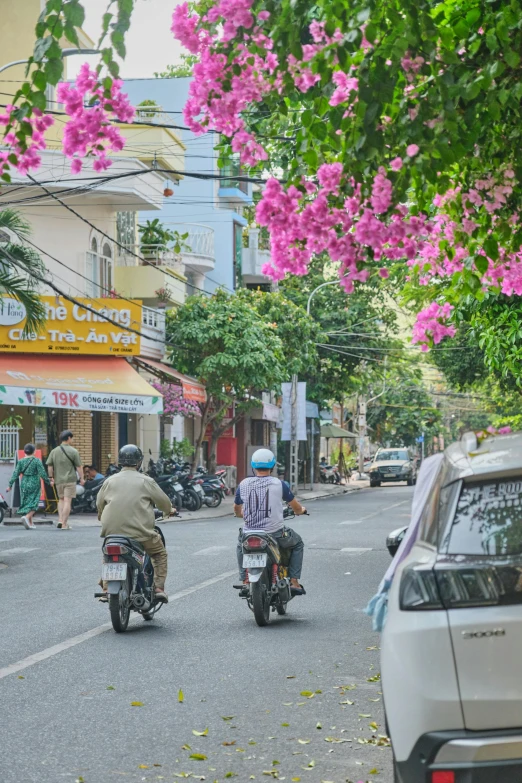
column 291, row 540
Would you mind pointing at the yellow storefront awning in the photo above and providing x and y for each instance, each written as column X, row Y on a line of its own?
column 85, row 383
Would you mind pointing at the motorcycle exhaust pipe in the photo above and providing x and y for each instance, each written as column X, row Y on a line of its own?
column 141, row 603
column 283, row 588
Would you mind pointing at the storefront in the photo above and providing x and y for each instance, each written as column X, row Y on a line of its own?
column 74, row 374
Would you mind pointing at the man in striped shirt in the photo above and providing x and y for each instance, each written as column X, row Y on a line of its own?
column 259, row 500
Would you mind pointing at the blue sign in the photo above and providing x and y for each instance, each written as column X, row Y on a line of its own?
column 420, row 439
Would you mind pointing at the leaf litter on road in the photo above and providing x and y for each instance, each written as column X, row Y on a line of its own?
column 201, row 733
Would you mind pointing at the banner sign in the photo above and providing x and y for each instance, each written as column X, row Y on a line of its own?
column 286, row 433
column 80, row 401
column 72, row 328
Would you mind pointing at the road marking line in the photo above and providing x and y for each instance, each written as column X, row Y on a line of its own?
column 21, row 550
column 357, row 550
column 81, row 550
column 211, row 550
column 12, row 668
column 352, row 522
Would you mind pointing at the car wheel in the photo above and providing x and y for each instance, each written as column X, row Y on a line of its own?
column 409, row 482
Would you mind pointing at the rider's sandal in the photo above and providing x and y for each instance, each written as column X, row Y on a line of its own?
column 104, row 599
column 298, row 591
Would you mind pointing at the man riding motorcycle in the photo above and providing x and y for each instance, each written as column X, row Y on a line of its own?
column 259, row 501
column 126, row 504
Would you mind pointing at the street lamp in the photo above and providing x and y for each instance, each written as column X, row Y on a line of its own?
column 330, row 282
column 65, row 53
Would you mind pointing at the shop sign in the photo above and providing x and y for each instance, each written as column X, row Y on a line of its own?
column 73, row 328
column 80, row 400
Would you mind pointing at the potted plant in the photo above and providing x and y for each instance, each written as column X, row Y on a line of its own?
column 164, row 296
column 154, row 237
column 148, row 109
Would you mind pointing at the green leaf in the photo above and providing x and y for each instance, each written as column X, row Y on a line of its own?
column 319, row 130
column 200, row 733
column 39, row 100
column 3, row 389
column 473, row 16
column 74, row 13
column 311, row 158
column 370, row 32
column 39, row 80
column 53, row 70
column 512, row 58
column 481, row 263
column 198, row 757
column 41, row 46
column 181, row 697
column 491, row 247
column 307, row 118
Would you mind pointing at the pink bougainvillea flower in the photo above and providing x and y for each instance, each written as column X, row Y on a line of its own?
column 412, row 150
column 396, row 164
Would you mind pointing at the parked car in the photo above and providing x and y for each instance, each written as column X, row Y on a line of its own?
column 450, row 651
column 392, row 465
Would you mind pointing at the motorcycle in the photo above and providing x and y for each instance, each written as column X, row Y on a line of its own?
column 267, row 568
column 213, row 487
column 129, row 574
column 3, row 508
column 166, row 481
column 329, row 474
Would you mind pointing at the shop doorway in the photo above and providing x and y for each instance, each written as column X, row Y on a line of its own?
column 123, row 430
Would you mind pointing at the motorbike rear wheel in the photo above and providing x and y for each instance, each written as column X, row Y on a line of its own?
column 191, row 500
column 281, row 608
column 261, row 601
column 213, row 499
column 119, row 606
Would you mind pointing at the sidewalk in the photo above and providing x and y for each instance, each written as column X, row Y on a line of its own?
column 224, row 510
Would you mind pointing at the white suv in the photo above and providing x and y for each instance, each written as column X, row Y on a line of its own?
column 451, row 652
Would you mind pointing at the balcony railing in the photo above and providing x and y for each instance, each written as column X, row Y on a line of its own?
column 159, row 255
column 200, row 239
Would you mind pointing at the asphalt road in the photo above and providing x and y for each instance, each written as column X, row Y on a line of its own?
column 66, row 706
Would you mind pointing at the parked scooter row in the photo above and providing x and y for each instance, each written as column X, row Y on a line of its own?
column 196, row 488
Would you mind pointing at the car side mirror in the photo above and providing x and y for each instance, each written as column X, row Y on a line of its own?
column 394, row 540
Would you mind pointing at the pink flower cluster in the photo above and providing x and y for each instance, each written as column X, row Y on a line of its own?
column 223, row 87
column 174, row 403
column 27, row 159
column 89, row 131
column 431, row 325
column 310, row 220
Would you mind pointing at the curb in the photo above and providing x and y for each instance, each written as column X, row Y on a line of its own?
column 224, row 513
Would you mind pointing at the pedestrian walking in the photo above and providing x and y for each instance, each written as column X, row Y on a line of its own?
column 63, row 465
column 32, row 471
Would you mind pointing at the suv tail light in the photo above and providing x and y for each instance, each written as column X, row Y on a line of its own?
column 115, row 549
column 253, row 542
column 454, row 587
column 443, row 776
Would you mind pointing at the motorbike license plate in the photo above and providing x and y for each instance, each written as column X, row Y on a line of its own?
column 254, row 561
column 114, row 572
column 199, row 489
column 178, row 487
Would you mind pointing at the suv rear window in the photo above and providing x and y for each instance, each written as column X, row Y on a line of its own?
column 488, row 519
column 383, row 456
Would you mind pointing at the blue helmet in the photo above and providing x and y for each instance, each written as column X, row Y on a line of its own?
column 263, row 459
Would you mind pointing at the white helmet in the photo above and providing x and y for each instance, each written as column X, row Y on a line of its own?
column 263, row 459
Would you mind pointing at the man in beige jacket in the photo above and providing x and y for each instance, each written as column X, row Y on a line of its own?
column 126, row 505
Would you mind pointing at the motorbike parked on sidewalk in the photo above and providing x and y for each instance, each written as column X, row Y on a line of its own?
column 268, row 588
column 167, row 481
column 329, row 474
column 129, row 574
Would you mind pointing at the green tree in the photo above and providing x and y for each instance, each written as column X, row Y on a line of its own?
column 18, row 265
column 229, row 343
column 404, row 412
column 353, row 333
column 183, row 68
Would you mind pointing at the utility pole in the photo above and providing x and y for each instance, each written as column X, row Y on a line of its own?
column 294, row 443
column 362, row 432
